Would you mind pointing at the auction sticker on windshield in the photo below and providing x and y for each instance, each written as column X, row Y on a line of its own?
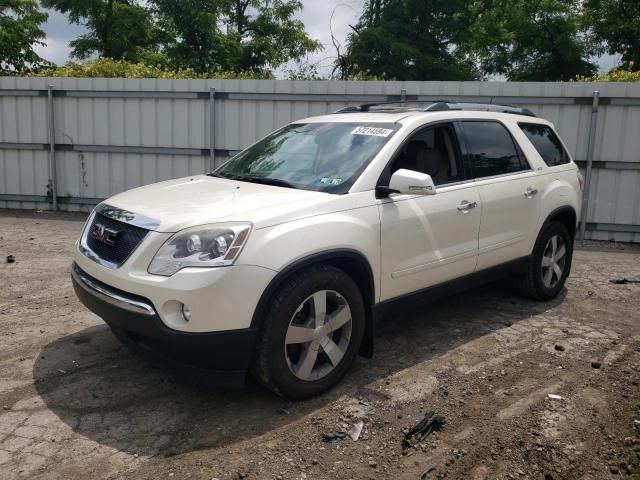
column 372, row 131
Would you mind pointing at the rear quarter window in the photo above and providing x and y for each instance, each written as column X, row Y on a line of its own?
column 546, row 142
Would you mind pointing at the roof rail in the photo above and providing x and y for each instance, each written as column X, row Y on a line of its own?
column 438, row 107
column 479, row 107
column 366, row 107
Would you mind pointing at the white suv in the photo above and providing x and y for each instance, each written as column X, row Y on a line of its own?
column 279, row 261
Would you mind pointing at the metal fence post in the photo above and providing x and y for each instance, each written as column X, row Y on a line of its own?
column 53, row 173
column 590, row 152
column 212, row 128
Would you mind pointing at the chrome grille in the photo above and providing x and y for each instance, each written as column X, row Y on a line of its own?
column 126, row 240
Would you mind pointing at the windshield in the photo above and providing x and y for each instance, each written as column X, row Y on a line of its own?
column 326, row 157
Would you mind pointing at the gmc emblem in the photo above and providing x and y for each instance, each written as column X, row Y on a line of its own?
column 104, row 234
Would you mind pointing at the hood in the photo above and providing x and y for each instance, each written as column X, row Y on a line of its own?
column 201, row 199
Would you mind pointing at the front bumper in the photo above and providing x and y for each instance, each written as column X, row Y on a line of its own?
column 215, row 358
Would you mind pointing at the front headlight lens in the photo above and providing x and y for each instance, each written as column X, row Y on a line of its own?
column 203, row 246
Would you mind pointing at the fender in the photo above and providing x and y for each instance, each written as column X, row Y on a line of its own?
column 330, row 257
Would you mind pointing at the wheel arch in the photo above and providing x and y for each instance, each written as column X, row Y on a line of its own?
column 352, row 262
column 565, row 215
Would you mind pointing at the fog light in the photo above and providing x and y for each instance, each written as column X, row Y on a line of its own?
column 186, row 313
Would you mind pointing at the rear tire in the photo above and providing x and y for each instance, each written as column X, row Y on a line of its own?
column 549, row 265
column 310, row 334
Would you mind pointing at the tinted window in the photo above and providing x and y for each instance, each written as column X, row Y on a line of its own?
column 546, row 143
column 491, row 150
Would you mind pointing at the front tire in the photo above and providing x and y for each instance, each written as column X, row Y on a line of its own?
column 550, row 264
column 311, row 333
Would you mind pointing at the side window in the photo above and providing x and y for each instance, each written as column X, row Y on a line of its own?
column 546, row 142
column 433, row 150
column 491, row 149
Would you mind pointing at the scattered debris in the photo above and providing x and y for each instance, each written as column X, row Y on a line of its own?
column 330, row 436
column 559, row 347
column 64, row 372
column 427, row 472
column 595, row 364
column 624, row 281
column 283, row 411
column 553, row 396
column 356, row 430
column 422, row 430
column 11, row 259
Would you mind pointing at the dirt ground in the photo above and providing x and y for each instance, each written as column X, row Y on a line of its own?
column 74, row 404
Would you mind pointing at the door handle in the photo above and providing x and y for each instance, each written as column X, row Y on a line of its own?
column 466, row 206
column 530, row 192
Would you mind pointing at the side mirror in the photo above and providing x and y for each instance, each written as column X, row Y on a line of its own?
column 410, row 182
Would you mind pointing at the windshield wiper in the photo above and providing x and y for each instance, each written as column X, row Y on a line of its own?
column 255, row 179
column 276, row 182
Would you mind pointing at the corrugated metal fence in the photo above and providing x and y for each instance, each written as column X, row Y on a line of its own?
column 67, row 143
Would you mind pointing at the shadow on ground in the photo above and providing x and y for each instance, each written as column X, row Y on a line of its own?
column 110, row 396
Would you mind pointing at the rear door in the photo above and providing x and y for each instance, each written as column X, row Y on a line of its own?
column 508, row 189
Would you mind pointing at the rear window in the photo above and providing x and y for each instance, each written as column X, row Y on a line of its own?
column 546, row 142
column 491, row 149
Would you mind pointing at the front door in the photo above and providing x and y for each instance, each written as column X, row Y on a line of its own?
column 427, row 240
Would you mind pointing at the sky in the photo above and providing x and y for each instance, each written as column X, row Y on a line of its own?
column 316, row 16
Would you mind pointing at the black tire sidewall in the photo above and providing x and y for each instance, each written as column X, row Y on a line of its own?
column 316, row 280
column 552, row 229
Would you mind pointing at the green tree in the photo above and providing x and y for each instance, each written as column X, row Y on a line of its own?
column 20, row 31
column 531, row 40
column 234, row 35
column 410, row 40
column 117, row 29
column 190, row 34
column 616, row 24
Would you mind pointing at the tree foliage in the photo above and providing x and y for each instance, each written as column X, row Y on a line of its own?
column 534, row 40
column 458, row 40
column 238, row 35
column 615, row 75
column 117, row 29
column 108, row 68
column 616, row 25
column 20, row 31
column 411, row 40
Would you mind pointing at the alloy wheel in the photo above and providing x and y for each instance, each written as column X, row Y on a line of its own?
column 318, row 335
column 553, row 261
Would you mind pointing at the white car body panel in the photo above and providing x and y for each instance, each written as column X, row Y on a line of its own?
column 421, row 245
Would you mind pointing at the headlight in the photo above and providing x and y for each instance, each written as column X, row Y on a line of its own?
column 203, row 246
